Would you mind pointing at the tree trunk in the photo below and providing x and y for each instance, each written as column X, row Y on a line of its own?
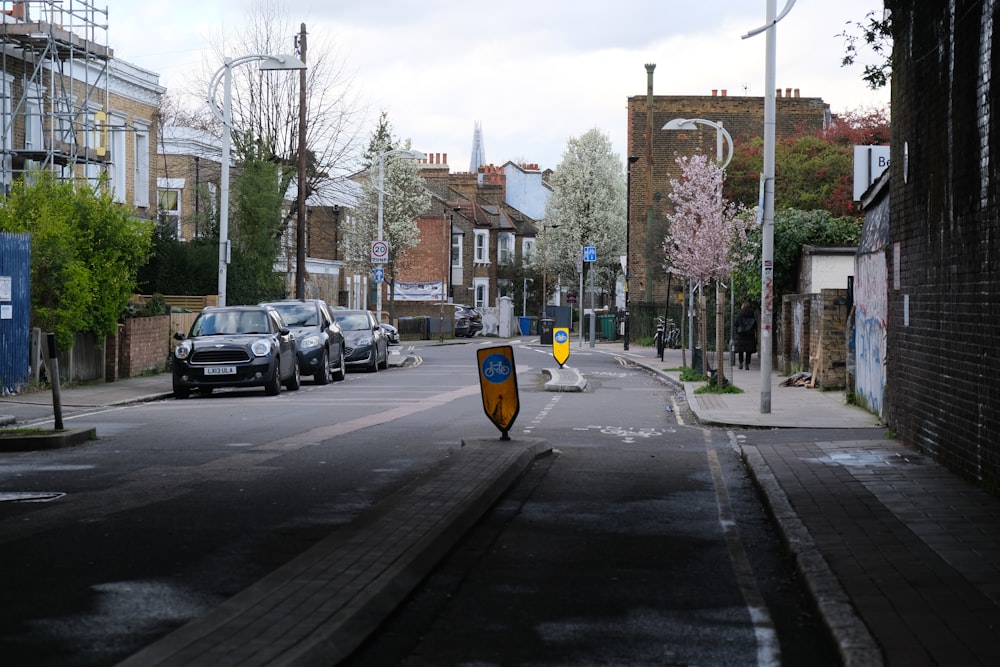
column 720, row 319
column 703, row 330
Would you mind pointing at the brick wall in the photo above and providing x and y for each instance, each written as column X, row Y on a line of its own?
column 141, row 345
column 943, row 369
column 429, row 259
column 743, row 118
column 828, row 358
column 812, row 337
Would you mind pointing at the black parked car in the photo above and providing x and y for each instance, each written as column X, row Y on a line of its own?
column 318, row 338
column 235, row 346
column 367, row 345
column 468, row 321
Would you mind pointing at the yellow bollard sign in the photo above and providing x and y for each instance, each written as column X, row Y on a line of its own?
column 560, row 345
column 498, row 385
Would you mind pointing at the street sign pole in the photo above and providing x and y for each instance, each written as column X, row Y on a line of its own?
column 590, row 257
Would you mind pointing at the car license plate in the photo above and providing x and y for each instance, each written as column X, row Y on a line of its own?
column 220, row 370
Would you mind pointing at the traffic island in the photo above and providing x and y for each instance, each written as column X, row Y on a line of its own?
column 34, row 439
column 564, row 379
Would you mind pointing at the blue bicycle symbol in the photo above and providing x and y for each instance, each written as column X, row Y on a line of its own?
column 561, row 337
column 496, row 368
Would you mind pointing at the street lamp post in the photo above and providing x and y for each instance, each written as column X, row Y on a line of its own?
column 632, row 159
column 403, row 153
column 767, row 226
column 225, row 116
column 723, row 162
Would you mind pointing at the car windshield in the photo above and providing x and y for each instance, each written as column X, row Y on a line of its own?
column 230, row 322
column 298, row 315
column 354, row 321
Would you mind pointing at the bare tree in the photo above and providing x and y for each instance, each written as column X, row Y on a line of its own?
column 265, row 105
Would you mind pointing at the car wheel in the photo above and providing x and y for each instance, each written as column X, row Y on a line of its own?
column 323, row 375
column 373, row 366
column 181, row 392
column 341, row 372
column 273, row 385
column 385, row 359
column 295, row 381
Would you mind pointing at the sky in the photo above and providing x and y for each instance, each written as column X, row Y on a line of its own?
column 533, row 73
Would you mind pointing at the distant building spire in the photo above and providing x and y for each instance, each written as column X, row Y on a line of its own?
column 478, row 152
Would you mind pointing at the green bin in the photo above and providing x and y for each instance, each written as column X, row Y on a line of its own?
column 607, row 323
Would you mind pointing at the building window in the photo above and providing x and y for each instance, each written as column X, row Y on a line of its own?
column 528, row 251
column 141, row 194
column 34, row 135
column 456, row 250
column 505, row 248
column 116, row 171
column 482, row 247
column 481, row 292
column 168, row 201
column 64, row 121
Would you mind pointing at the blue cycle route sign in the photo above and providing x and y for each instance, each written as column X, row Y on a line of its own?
column 496, row 368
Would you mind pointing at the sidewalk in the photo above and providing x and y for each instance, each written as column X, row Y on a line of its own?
column 902, row 556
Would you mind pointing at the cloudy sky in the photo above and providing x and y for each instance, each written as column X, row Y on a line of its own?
column 533, row 73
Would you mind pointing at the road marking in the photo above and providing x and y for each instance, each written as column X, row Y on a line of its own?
column 542, row 414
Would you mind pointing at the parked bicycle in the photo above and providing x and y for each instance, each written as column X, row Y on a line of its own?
column 673, row 339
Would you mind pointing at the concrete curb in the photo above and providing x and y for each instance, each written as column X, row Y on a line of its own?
column 29, row 442
column 318, row 608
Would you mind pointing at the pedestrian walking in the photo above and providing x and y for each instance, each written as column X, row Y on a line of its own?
column 745, row 328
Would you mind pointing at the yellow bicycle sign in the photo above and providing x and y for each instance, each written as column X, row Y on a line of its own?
column 560, row 345
column 498, row 385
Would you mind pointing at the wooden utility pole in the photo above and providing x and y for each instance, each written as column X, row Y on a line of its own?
column 300, row 227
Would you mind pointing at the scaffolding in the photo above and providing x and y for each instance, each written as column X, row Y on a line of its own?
column 54, row 78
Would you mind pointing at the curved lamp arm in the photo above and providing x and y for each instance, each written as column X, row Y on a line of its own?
column 276, row 62
column 690, row 124
column 757, row 31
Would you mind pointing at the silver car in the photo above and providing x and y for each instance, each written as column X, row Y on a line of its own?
column 365, row 341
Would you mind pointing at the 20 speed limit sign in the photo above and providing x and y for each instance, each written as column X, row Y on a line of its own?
column 380, row 252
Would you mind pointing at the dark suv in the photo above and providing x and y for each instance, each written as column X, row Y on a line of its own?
column 468, row 321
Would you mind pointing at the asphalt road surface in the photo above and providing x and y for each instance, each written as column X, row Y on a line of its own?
column 639, row 541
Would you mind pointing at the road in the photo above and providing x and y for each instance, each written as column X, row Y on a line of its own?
column 180, row 504
column 641, row 542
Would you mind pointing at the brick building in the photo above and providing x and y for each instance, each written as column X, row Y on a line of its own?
column 658, row 149
column 943, row 251
column 472, row 233
column 72, row 108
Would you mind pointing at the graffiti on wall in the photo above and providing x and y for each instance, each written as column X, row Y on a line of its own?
column 871, row 313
